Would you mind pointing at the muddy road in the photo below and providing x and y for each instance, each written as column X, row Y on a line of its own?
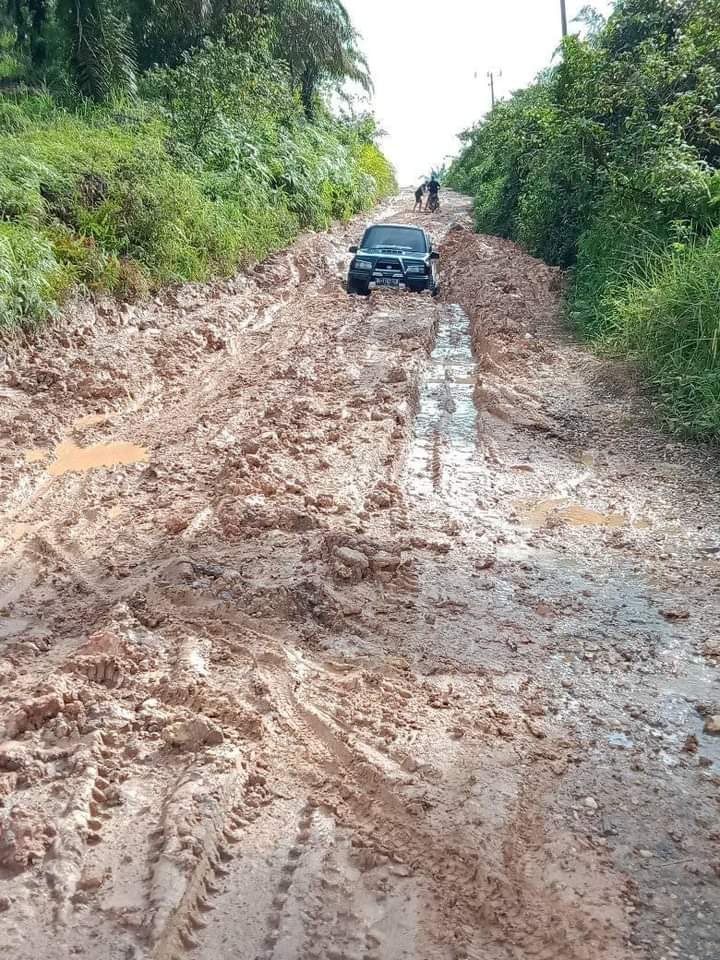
column 353, row 629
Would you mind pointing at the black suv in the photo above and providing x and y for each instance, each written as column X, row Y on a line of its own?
column 392, row 255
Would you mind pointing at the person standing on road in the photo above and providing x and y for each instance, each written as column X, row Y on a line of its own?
column 433, row 190
column 418, row 197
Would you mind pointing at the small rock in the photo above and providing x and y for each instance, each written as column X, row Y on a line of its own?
column 396, row 375
column 591, row 803
column 352, row 558
column 676, row 614
column 711, row 648
column 712, row 723
column 175, row 524
column 5, row 904
column 385, row 561
column 691, row 744
column 193, row 734
column 90, row 881
column 534, row 729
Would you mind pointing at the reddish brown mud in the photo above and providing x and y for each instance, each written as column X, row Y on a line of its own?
column 336, row 627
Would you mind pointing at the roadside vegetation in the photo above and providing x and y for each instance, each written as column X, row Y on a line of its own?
column 609, row 164
column 146, row 143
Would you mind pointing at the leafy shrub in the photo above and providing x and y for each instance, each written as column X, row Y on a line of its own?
column 610, row 164
column 122, row 201
column 30, row 276
column 372, row 163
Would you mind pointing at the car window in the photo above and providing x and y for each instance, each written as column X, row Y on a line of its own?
column 402, row 238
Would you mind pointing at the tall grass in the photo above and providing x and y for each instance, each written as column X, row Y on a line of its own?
column 107, row 199
column 668, row 316
column 11, row 66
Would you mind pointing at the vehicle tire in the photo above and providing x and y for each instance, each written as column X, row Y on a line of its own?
column 435, row 290
column 357, row 289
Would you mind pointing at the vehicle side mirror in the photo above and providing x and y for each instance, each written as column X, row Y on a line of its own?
column 434, row 255
column 353, row 248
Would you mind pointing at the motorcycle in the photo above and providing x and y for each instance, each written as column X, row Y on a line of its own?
column 433, row 203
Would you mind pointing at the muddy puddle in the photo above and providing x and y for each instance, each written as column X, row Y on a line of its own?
column 20, row 530
column 70, row 458
column 443, row 461
column 539, row 513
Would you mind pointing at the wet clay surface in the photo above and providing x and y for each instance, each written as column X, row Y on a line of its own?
column 336, row 627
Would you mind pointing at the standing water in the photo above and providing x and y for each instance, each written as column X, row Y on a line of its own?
column 442, row 461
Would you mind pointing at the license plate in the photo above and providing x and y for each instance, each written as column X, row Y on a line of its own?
column 387, row 282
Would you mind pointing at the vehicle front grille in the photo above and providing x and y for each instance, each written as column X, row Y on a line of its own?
column 386, row 264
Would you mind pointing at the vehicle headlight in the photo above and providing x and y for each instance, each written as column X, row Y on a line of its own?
column 416, row 268
column 363, row 265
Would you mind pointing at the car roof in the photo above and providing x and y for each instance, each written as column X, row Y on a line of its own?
column 405, row 226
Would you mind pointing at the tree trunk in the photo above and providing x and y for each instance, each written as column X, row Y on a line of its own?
column 38, row 45
column 307, row 92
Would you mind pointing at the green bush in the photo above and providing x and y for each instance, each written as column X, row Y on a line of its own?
column 120, row 199
column 610, row 164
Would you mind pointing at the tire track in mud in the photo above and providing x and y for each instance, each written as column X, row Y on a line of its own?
column 207, row 385
column 280, row 910
column 309, row 908
column 370, row 805
column 177, row 920
column 365, row 794
column 81, row 825
column 281, row 585
column 352, row 765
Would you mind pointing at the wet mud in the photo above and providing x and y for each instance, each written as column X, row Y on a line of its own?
column 338, row 627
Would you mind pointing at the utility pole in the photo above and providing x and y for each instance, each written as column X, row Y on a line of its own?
column 491, row 75
column 563, row 17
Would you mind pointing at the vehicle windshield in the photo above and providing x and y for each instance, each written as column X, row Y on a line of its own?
column 396, row 238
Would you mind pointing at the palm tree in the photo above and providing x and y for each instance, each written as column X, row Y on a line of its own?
column 100, row 47
column 164, row 30
column 318, row 41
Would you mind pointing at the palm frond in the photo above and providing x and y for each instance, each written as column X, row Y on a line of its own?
column 319, row 42
column 100, row 48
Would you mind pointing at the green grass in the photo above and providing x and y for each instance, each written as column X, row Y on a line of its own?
column 106, row 200
column 637, row 294
column 668, row 316
column 30, row 275
column 12, row 69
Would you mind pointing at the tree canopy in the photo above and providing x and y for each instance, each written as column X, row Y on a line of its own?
column 107, row 43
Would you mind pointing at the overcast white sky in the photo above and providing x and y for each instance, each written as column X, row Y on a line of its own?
column 424, row 55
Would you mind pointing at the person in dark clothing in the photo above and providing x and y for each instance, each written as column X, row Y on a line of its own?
column 433, row 190
column 418, row 198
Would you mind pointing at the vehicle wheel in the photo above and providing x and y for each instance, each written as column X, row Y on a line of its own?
column 357, row 289
column 435, row 290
